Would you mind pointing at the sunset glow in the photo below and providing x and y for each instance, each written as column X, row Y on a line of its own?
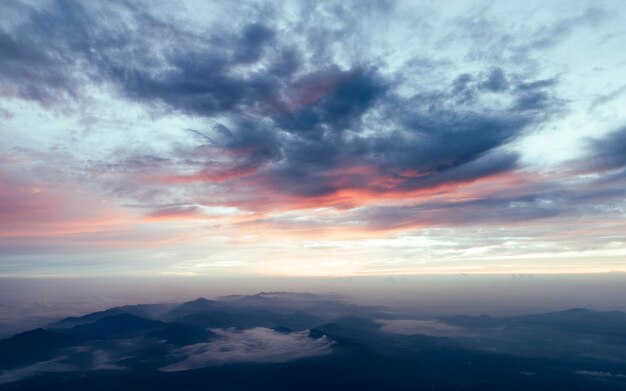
column 335, row 140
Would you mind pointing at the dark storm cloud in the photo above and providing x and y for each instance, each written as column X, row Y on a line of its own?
column 437, row 135
column 285, row 118
column 39, row 58
column 540, row 199
column 424, row 140
column 67, row 43
column 482, row 211
column 608, row 152
column 331, row 100
column 482, row 166
column 245, row 146
column 31, row 74
column 201, row 80
column 496, row 81
column 488, row 210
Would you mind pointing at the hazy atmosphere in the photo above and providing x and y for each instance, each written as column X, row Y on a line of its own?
column 379, row 194
column 28, row 303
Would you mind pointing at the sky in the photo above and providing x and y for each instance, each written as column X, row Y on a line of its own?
column 345, row 138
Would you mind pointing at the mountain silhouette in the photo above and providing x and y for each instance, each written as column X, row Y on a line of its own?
column 122, row 325
column 34, row 345
column 181, row 334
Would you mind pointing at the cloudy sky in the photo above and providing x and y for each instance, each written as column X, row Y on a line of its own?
column 312, row 138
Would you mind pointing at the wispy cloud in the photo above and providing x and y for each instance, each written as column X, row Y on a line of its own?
column 16, row 374
column 259, row 345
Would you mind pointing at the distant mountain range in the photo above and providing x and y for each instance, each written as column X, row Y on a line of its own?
column 280, row 340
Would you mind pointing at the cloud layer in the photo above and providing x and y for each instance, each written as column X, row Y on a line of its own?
column 133, row 123
column 257, row 345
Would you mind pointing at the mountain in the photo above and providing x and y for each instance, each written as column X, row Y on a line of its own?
column 241, row 313
column 572, row 333
column 267, row 341
column 115, row 326
column 577, row 320
column 32, row 346
column 326, row 307
column 191, row 307
column 181, row 334
column 148, row 311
